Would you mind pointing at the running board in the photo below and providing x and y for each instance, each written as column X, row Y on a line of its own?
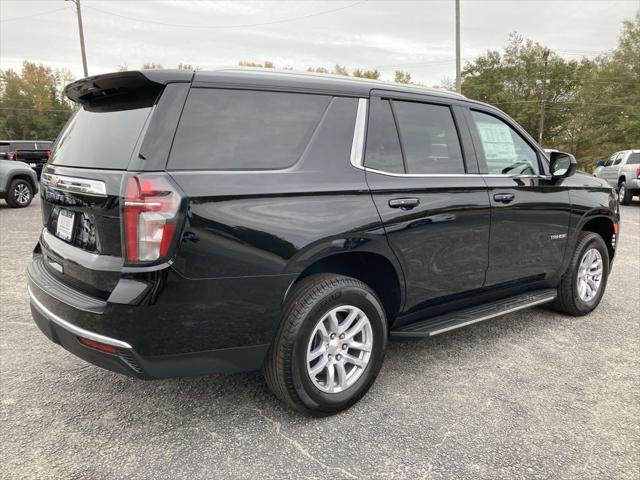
column 451, row 321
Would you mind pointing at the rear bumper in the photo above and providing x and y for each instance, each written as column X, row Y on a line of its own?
column 633, row 184
column 57, row 310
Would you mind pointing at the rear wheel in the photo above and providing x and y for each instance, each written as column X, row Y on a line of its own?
column 20, row 194
column 330, row 345
column 624, row 194
column 584, row 282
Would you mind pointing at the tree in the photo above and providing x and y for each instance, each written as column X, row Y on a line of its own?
column 266, row 64
column 151, row 66
column 318, row 70
column 32, row 102
column 340, row 70
column 372, row 74
column 187, row 66
column 402, row 77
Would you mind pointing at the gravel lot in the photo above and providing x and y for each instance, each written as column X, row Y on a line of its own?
column 528, row 395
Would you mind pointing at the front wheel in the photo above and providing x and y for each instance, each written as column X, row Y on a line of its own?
column 20, row 194
column 330, row 345
column 583, row 284
column 624, row 194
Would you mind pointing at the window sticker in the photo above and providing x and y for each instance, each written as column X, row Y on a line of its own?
column 497, row 141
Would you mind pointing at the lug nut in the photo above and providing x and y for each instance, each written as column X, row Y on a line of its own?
column 338, row 357
column 342, row 336
column 329, row 356
column 344, row 346
column 333, row 335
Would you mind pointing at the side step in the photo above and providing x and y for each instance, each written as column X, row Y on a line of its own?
column 451, row 321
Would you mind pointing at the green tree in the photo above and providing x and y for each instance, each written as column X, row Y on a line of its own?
column 340, row 70
column 32, row 103
column 402, row 77
column 318, row 70
column 266, row 64
column 372, row 74
column 151, row 66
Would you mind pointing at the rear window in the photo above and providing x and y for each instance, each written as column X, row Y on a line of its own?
column 4, row 147
column 100, row 137
column 244, row 130
column 24, row 146
column 633, row 159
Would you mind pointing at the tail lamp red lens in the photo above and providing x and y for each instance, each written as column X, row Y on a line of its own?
column 12, row 155
column 638, row 172
column 150, row 208
column 48, row 154
column 98, row 346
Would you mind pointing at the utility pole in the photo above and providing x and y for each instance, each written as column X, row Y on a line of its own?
column 458, row 70
column 545, row 57
column 82, row 50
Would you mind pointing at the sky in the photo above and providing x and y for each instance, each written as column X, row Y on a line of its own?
column 417, row 36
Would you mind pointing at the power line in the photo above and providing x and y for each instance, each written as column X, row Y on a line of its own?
column 33, row 15
column 214, row 27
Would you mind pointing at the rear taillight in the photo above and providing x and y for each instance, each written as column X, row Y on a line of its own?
column 150, row 213
column 102, row 347
column 48, row 154
column 638, row 172
column 12, row 155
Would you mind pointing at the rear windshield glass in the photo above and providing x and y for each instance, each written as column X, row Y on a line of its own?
column 24, row 146
column 100, row 138
column 4, row 147
column 240, row 129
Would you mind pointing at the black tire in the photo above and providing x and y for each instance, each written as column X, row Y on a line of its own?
column 285, row 367
column 569, row 300
column 20, row 194
column 624, row 194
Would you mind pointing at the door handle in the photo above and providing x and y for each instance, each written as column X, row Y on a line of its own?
column 504, row 197
column 404, row 203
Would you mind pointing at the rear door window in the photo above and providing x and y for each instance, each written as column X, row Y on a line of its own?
column 224, row 129
column 383, row 144
column 429, row 138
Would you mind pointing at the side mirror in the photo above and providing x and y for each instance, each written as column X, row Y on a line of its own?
column 562, row 164
column 600, row 163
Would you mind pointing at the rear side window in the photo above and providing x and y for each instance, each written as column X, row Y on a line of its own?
column 100, row 138
column 633, row 159
column 383, row 145
column 429, row 138
column 25, row 146
column 244, row 130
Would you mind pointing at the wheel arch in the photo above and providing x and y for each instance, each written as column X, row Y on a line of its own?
column 21, row 176
column 604, row 226
column 380, row 273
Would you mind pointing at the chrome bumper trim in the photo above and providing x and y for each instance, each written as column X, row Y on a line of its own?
column 81, row 332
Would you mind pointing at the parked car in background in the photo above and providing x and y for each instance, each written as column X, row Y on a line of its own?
column 622, row 172
column 237, row 219
column 35, row 153
column 18, row 183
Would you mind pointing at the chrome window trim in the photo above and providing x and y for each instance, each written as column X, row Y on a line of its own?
column 357, row 154
column 81, row 332
column 357, row 145
column 83, row 186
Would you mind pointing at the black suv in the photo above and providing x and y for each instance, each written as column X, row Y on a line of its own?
column 35, row 153
column 235, row 220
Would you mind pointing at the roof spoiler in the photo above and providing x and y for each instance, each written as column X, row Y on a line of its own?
column 89, row 89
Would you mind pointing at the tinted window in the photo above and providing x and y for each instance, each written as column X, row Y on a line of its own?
column 383, row 145
column 634, row 159
column 429, row 138
column 236, row 129
column 100, row 138
column 505, row 151
column 25, row 146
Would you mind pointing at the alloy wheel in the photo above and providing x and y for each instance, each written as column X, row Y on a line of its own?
column 339, row 349
column 22, row 194
column 590, row 275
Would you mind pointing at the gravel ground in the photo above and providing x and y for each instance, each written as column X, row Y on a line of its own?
column 529, row 395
